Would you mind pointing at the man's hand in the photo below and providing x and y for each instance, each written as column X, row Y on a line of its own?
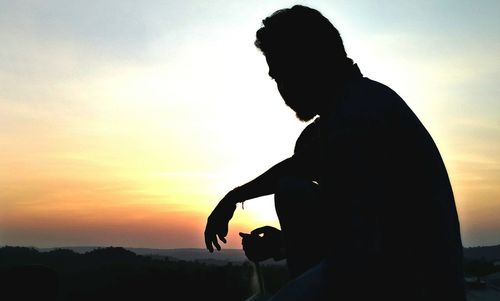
column 262, row 243
column 218, row 221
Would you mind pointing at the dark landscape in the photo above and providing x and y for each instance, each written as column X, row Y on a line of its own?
column 116, row 273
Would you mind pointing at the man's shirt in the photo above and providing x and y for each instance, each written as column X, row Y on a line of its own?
column 388, row 205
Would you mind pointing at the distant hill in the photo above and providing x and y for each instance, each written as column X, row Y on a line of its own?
column 188, row 254
column 233, row 255
column 490, row 253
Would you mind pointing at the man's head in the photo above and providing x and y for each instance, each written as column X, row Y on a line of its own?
column 305, row 55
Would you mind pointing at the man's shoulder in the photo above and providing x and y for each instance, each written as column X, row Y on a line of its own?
column 373, row 96
column 364, row 100
column 376, row 86
column 367, row 106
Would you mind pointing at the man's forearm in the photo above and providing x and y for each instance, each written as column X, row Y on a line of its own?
column 264, row 184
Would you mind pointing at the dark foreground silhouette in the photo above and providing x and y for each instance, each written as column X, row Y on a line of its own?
column 366, row 189
column 118, row 274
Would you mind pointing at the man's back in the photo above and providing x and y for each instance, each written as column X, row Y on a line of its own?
column 395, row 226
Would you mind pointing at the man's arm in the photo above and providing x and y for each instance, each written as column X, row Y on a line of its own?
column 304, row 163
column 217, row 223
column 265, row 183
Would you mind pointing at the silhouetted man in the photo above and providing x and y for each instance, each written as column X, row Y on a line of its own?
column 366, row 177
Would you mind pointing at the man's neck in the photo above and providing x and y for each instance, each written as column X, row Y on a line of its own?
column 337, row 89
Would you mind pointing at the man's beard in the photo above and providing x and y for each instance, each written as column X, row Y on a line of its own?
column 303, row 112
column 304, row 115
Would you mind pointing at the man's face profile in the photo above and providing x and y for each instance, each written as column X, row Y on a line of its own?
column 295, row 84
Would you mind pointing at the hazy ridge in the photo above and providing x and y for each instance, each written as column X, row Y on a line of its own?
column 490, row 253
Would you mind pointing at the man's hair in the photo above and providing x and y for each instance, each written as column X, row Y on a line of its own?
column 300, row 30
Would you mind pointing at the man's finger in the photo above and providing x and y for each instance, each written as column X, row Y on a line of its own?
column 216, row 243
column 222, row 238
column 208, row 243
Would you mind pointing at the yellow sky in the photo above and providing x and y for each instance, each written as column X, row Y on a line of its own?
column 124, row 124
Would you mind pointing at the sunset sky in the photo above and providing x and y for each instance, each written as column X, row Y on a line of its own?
column 125, row 122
